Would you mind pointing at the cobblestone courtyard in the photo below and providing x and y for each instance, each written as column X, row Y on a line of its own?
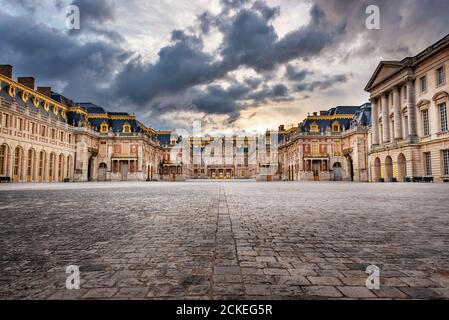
column 203, row 240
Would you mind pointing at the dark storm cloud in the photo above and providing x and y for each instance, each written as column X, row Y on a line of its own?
column 95, row 15
column 325, row 84
column 249, row 41
column 407, row 26
column 181, row 65
column 27, row 5
column 37, row 50
column 98, row 11
column 294, row 75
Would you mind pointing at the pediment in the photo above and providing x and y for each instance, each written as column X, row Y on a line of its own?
column 383, row 71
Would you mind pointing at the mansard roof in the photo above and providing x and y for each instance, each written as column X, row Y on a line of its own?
column 387, row 69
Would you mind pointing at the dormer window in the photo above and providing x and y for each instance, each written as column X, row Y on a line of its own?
column 336, row 127
column 314, row 127
column 104, row 127
column 127, row 128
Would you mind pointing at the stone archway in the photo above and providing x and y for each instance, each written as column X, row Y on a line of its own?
column 350, row 169
column 338, row 172
column 30, row 169
column 51, row 167
column 377, row 170
column 18, row 165
column 61, row 168
column 102, row 171
column 4, row 160
column 388, row 169
column 402, row 167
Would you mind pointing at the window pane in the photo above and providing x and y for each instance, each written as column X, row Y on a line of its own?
column 446, row 162
column 425, row 117
column 443, row 117
column 428, row 163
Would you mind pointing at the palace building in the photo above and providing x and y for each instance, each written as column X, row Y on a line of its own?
column 409, row 136
column 402, row 135
column 329, row 146
column 46, row 137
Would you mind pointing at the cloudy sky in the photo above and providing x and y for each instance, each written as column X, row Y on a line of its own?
column 233, row 64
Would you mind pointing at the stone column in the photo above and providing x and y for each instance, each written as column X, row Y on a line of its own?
column 397, row 114
column 375, row 122
column 411, row 114
column 385, row 119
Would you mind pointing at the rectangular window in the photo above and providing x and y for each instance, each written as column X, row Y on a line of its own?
column 443, row 116
column 446, row 162
column 53, row 134
column 41, row 164
column 20, row 124
column 2, row 159
column 61, row 136
column 425, row 121
column 103, row 149
column 43, row 131
column 32, row 127
column 441, row 77
column 427, row 164
column 423, row 82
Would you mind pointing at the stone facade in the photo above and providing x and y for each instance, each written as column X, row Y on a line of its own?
column 45, row 137
column 36, row 143
column 409, row 137
column 330, row 146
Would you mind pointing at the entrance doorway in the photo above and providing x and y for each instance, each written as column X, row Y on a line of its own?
column 90, row 169
column 338, row 174
column 351, row 169
column 102, row 172
column 402, row 168
column 388, row 169
column 316, row 170
column 125, row 170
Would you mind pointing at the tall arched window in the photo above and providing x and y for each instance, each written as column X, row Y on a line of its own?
column 3, row 156
column 50, row 167
column 60, row 167
column 69, row 165
column 41, row 165
column 30, row 162
column 17, row 164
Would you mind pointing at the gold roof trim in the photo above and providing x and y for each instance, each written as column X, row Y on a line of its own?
column 32, row 92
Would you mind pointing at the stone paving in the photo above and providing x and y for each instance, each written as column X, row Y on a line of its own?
column 228, row 240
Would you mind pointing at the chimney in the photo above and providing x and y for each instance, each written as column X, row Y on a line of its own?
column 315, row 114
column 6, row 70
column 27, row 82
column 281, row 127
column 46, row 91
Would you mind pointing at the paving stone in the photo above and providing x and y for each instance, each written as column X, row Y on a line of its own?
column 224, row 240
column 330, row 281
column 356, row 292
column 390, row 292
column 322, row 291
column 422, row 293
column 100, row 293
